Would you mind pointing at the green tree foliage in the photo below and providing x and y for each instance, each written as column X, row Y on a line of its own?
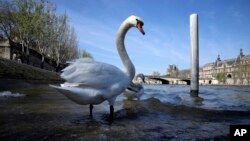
column 25, row 23
column 82, row 53
column 86, row 54
column 34, row 24
column 221, row 77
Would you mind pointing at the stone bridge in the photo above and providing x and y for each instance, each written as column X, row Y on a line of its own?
column 163, row 80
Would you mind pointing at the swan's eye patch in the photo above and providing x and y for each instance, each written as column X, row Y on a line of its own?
column 139, row 22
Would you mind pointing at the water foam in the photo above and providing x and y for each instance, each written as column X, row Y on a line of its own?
column 10, row 94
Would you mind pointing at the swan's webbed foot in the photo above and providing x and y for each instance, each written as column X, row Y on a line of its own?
column 90, row 110
column 111, row 116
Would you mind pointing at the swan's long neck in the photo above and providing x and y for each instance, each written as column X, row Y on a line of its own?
column 129, row 67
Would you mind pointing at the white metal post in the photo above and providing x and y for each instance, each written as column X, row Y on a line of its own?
column 194, row 39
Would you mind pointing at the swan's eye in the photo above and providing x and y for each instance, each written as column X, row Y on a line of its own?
column 139, row 22
column 142, row 23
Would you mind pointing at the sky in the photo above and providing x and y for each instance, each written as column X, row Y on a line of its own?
column 224, row 28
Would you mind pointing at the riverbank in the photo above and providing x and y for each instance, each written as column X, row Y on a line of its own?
column 42, row 113
column 17, row 75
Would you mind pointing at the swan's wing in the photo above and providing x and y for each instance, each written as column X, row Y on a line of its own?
column 73, row 65
column 93, row 74
column 79, row 95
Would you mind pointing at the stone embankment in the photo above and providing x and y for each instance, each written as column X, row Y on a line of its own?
column 13, row 74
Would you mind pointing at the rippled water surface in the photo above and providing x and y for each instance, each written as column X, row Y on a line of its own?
column 211, row 97
column 165, row 112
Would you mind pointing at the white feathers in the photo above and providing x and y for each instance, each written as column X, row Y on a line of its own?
column 133, row 20
column 91, row 82
column 134, row 91
column 94, row 74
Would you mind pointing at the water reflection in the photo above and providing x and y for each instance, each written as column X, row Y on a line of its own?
column 10, row 94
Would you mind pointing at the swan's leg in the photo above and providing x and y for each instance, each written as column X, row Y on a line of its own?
column 111, row 103
column 111, row 112
column 90, row 109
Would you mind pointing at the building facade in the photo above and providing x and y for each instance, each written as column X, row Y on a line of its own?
column 5, row 49
column 235, row 71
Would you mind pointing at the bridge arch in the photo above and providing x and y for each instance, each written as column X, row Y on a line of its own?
column 163, row 81
column 186, row 80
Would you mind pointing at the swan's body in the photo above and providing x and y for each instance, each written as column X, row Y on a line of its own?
column 134, row 91
column 91, row 82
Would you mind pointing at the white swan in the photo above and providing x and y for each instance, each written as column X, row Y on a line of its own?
column 135, row 90
column 90, row 82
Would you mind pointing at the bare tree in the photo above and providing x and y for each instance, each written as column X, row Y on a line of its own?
column 71, row 46
column 65, row 40
column 7, row 23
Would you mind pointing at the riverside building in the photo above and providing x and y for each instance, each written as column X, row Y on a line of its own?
column 235, row 71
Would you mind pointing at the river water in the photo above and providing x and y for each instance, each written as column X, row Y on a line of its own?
column 165, row 112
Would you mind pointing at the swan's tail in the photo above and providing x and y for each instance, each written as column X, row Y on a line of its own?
column 54, row 86
column 60, row 88
column 79, row 95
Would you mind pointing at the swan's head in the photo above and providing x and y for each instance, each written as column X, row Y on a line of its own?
column 136, row 87
column 136, row 22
